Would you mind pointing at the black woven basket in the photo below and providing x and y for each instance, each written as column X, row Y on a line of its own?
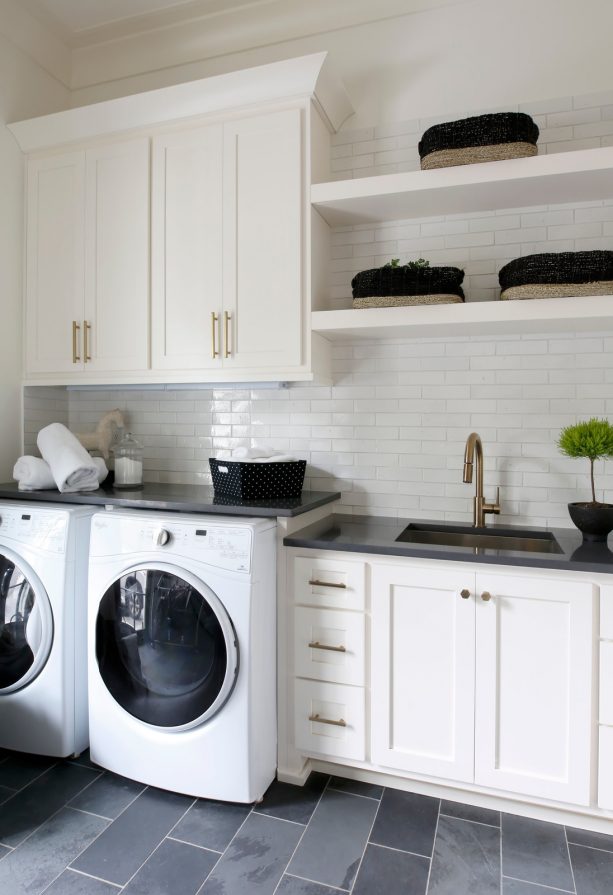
column 257, row 481
column 385, row 281
column 480, row 130
column 557, row 267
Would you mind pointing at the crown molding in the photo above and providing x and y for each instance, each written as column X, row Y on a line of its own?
column 167, row 39
column 37, row 38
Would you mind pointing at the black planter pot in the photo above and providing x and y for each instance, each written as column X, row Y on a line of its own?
column 594, row 520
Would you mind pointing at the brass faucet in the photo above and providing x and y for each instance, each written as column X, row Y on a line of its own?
column 480, row 507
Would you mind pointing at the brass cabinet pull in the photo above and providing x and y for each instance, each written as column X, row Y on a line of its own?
column 320, row 720
column 486, row 596
column 316, row 583
column 75, row 331
column 465, row 594
column 226, row 337
column 214, row 319
column 315, row 644
column 86, row 328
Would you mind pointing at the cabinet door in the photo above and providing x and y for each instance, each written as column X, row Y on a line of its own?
column 187, row 249
column 534, row 722
column 263, row 233
column 116, row 316
column 423, row 653
column 54, row 265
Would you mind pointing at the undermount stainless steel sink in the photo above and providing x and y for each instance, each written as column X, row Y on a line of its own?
column 490, row 539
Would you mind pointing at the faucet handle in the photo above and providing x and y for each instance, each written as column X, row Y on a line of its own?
column 493, row 507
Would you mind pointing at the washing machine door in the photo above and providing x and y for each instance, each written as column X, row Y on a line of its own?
column 165, row 646
column 26, row 624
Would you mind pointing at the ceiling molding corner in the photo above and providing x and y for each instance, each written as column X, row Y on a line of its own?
column 37, row 39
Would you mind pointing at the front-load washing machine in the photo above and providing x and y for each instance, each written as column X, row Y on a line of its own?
column 43, row 627
column 182, row 647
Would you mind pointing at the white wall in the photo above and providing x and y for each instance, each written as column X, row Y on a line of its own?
column 475, row 54
column 25, row 90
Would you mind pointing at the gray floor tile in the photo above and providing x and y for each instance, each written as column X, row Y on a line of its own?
column 108, row 795
column 593, row 870
column 255, row 859
column 293, row 802
column 29, row 869
column 517, row 887
column 466, row 859
column 85, row 761
column 406, row 821
column 291, row 885
column 172, row 868
column 30, row 807
column 471, row 812
column 211, row 824
column 4, row 851
column 127, row 843
column 536, row 852
column 72, row 883
column 19, row 769
column 586, row 837
column 6, row 793
column 385, row 871
column 357, row 787
column 334, row 841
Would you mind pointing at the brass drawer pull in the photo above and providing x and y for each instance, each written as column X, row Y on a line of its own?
column 214, row 319
column 315, row 582
column 86, row 328
column 75, row 330
column 315, row 644
column 226, row 335
column 320, row 720
column 486, row 596
column 465, row 594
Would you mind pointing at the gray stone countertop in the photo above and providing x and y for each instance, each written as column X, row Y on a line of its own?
column 378, row 534
column 178, row 498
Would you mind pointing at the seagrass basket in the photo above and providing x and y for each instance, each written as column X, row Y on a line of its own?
column 558, row 275
column 482, row 138
column 384, row 287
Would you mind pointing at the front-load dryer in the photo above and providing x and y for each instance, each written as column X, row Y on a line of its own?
column 43, row 627
column 182, row 647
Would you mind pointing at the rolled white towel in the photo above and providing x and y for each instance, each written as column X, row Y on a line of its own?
column 34, row 473
column 71, row 466
column 276, row 458
column 252, row 453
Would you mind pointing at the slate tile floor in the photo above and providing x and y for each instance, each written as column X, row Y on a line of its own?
column 69, row 828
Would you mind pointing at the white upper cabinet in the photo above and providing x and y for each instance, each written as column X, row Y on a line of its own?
column 264, row 210
column 55, row 263
column 87, row 274
column 186, row 242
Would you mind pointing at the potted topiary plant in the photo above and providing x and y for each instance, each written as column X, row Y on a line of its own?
column 594, row 441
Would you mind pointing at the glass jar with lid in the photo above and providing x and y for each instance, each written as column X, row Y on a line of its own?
column 128, row 462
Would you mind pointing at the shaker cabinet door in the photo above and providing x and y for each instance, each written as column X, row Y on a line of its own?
column 423, row 666
column 534, row 725
column 116, row 307
column 262, row 326
column 186, row 240
column 54, row 263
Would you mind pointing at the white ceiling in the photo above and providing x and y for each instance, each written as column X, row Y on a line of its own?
column 74, row 16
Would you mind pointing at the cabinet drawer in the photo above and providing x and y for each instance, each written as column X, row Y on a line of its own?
column 606, row 613
column 605, row 769
column 337, row 583
column 329, row 645
column 332, row 703
column 605, row 715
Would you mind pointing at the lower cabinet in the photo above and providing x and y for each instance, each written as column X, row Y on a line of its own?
column 475, row 676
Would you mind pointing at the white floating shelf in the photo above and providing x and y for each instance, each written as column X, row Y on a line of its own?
column 481, row 318
column 581, row 176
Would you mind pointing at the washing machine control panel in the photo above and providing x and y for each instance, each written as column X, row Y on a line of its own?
column 36, row 528
column 222, row 546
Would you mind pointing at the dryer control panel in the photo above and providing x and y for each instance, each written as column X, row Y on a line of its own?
column 222, row 546
column 44, row 529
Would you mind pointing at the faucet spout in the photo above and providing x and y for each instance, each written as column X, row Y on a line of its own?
column 473, row 456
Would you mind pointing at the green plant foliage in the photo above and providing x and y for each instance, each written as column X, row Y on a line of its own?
column 411, row 265
column 592, row 440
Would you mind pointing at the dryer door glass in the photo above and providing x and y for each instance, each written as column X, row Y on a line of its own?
column 165, row 648
column 24, row 628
